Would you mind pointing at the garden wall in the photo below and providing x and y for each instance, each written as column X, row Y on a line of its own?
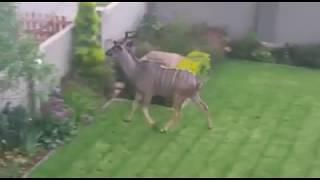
column 119, row 17
column 238, row 17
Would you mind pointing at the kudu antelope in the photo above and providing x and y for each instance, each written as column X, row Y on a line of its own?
column 150, row 79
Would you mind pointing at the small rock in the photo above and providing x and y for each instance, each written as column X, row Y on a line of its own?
column 21, row 160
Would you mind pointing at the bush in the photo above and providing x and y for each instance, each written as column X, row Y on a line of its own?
column 196, row 62
column 305, row 55
column 56, row 131
column 100, row 78
column 249, row 48
column 57, row 124
column 263, row 55
column 89, row 56
column 243, row 48
column 177, row 37
column 17, row 131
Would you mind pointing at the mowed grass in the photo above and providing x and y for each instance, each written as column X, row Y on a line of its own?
column 266, row 124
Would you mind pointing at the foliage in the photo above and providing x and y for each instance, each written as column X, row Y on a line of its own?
column 263, row 54
column 19, row 55
column 58, row 122
column 243, row 48
column 196, row 62
column 178, row 37
column 305, row 55
column 56, row 131
column 89, row 56
column 83, row 100
column 250, row 48
column 17, row 131
column 87, row 51
column 99, row 77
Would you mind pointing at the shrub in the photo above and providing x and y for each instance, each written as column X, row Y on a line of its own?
column 263, row 55
column 82, row 100
column 305, row 55
column 56, row 132
column 249, row 48
column 178, row 37
column 89, row 57
column 57, row 124
column 196, row 62
column 243, row 48
column 17, row 131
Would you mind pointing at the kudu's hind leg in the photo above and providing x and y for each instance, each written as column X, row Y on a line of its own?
column 203, row 107
column 177, row 103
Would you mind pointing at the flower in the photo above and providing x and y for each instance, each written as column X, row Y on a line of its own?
column 38, row 61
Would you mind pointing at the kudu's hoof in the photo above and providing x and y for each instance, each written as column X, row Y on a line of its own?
column 154, row 126
column 163, row 130
column 126, row 119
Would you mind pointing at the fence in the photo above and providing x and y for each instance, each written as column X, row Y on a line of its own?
column 42, row 26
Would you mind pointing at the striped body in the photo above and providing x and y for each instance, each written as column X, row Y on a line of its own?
column 164, row 82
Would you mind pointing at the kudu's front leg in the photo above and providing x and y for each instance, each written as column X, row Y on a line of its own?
column 203, row 107
column 145, row 109
column 150, row 121
column 134, row 107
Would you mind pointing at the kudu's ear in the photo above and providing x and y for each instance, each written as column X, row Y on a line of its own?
column 133, row 34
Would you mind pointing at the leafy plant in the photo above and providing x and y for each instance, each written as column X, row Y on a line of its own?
column 18, row 131
column 56, row 133
column 249, row 48
column 263, row 55
column 178, row 37
column 243, row 48
column 305, row 55
column 58, row 122
column 89, row 57
column 196, row 62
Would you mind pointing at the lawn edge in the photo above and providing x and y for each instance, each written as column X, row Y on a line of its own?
column 45, row 158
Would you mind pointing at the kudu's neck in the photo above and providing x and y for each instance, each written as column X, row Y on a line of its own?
column 128, row 64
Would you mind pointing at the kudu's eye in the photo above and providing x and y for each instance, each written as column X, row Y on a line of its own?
column 108, row 53
column 130, row 44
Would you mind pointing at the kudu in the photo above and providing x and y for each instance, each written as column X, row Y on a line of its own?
column 150, row 79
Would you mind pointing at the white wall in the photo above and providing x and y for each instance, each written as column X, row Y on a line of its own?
column 57, row 50
column 238, row 17
column 119, row 17
column 16, row 95
column 297, row 22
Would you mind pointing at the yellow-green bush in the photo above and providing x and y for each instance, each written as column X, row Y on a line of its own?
column 87, row 47
column 196, row 62
column 89, row 58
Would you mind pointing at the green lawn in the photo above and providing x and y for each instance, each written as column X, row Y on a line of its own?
column 266, row 124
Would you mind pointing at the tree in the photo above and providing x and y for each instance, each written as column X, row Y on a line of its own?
column 19, row 55
column 88, row 50
column 89, row 58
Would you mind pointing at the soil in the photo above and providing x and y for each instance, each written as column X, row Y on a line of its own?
column 24, row 163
